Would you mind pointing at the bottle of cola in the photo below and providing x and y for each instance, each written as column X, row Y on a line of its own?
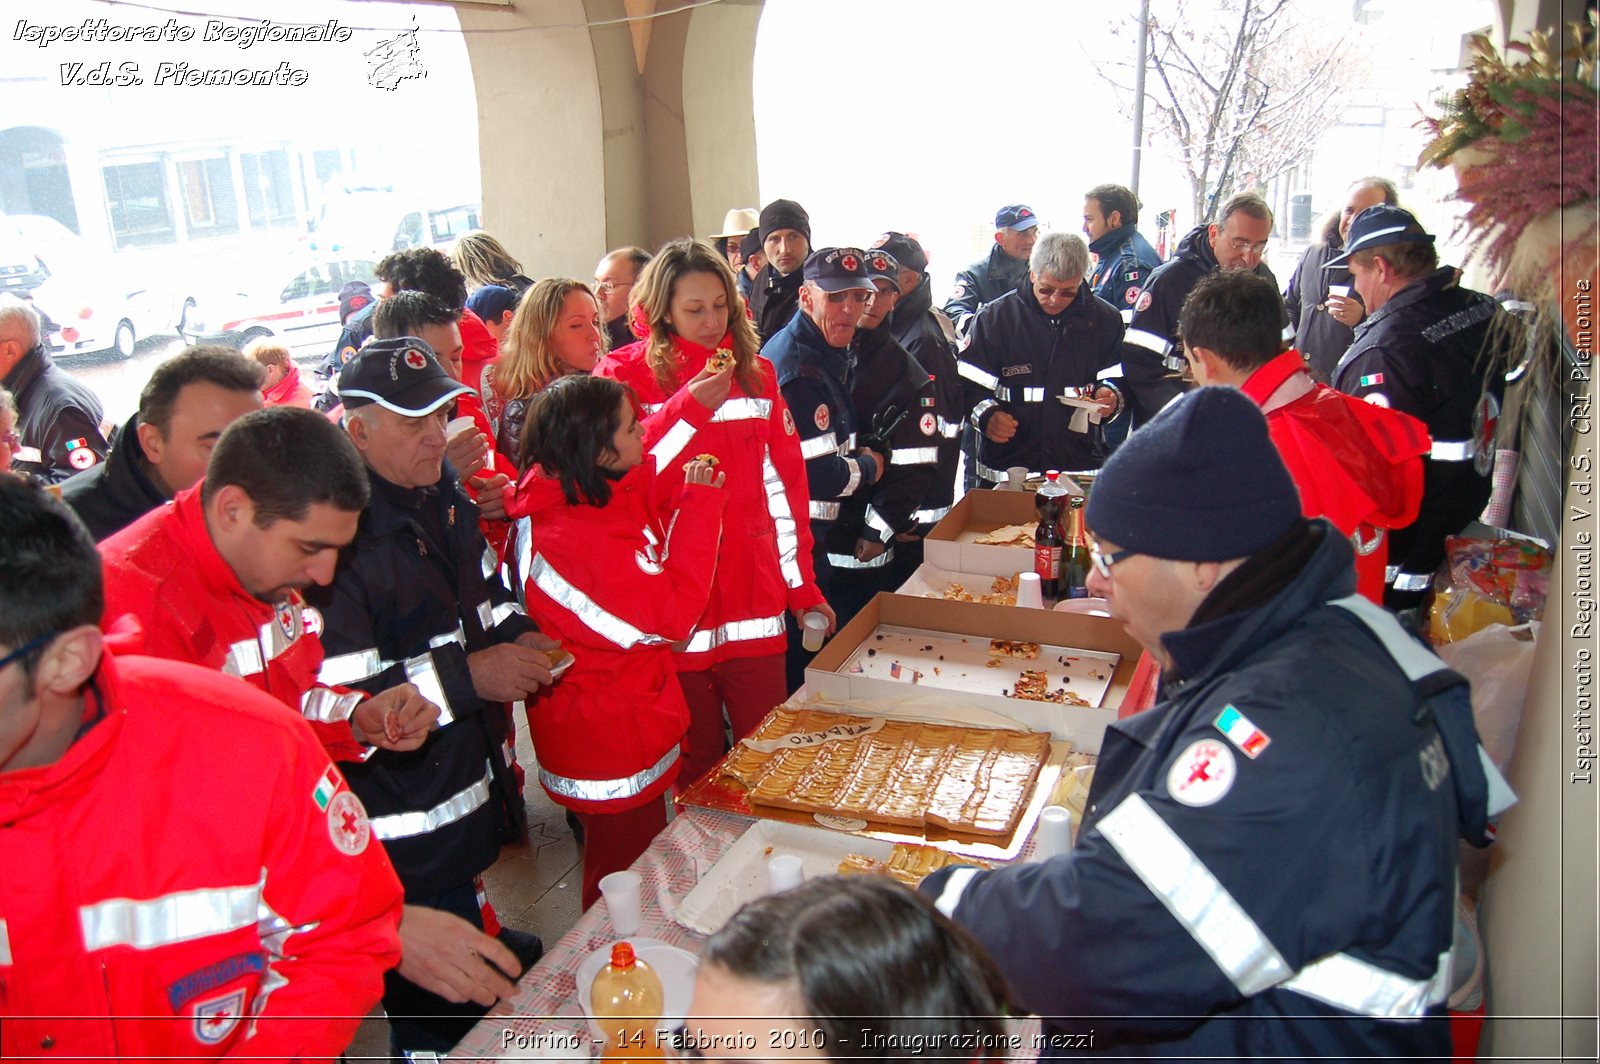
column 1075, row 560
column 1050, row 501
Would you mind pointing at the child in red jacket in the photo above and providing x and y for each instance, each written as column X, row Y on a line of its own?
column 618, row 582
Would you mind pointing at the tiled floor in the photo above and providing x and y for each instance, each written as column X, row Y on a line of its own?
column 534, row 887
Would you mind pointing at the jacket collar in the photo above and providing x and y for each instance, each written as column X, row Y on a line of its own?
column 1112, row 239
column 1196, row 245
column 188, row 521
column 1412, row 294
column 812, row 343
column 286, row 387
column 26, row 792
column 1264, row 382
column 914, row 303
column 29, row 368
column 125, row 478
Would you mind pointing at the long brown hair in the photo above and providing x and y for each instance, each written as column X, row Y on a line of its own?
column 652, row 294
column 527, row 361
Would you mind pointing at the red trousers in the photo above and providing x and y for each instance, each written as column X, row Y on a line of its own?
column 747, row 687
column 613, row 841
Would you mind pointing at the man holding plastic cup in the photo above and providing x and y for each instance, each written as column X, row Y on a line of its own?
column 1267, row 862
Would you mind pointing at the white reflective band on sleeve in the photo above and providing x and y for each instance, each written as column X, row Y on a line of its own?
column 1414, row 659
column 817, row 446
column 672, row 443
column 606, row 625
column 485, row 615
column 456, row 635
column 784, row 522
column 734, row 632
column 608, row 790
column 244, row 659
column 420, row 671
column 1182, row 882
column 1127, row 315
column 1176, row 363
column 876, row 521
column 954, row 887
column 1003, row 393
column 975, row 375
column 490, row 562
column 490, row 616
column 914, row 456
column 824, row 511
column 1453, row 450
column 949, row 429
column 5, row 944
column 453, row 808
column 743, row 410
column 1033, row 395
column 651, row 408
column 328, row 706
column 1390, row 572
column 1404, row 581
column 179, row 917
column 523, row 538
column 346, row 669
column 1109, row 371
column 1148, row 340
column 848, row 561
column 1287, row 335
column 1348, row 983
column 929, row 517
column 854, row 482
column 983, row 407
column 986, row 473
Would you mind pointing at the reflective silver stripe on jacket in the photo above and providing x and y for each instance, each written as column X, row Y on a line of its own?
column 931, row 517
column 5, row 944
column 977, row 376
column 420, row 670
column 1182, row 882
column 914, row 456
column 1404, row 581
column 745, row 409
column 983, row 407
column 607, row 790
column 1149, row 341
column 1348, row 983
column 489, row 615
column 1114, row 370
column 342, row 670
column 1177, row 363
column 1287, row 335
column 491, row 562
column 876, row 521
column 1390, row 572
column 848, row 561
column 817, row 446
column 602, row 623
column 854, row 482
column 327, row 706
column 949, row 429
column 1127, row 315
column 672, row 443
column 784, row 524
column 824, row 511
column 734, row 632
column 161, row 921
column 453, row 808
column 996, row 475
column 1453, row 450
column 244, row 659
column 1027, row 395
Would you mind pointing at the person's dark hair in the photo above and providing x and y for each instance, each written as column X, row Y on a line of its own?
column 406, row 311
column 1116, row 198
column 569, row 428
column 209, row 364
column 1391, row 195
column 1237, row 314
column 872, row 961
column 1409, row 261
column 1247, row 203
column 424, row 270
column 49, row 569
column 636, row 255
column 287, row 458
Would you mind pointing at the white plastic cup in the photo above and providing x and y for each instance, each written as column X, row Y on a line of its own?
column 1028, row 592
column 813, row 630
column 456, row 426
column 1053, row 836
column 1341, row 290
column 784, row 872
column 621, row 891
column 1017, row 477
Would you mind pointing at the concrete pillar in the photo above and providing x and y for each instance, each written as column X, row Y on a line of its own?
column 719, row 111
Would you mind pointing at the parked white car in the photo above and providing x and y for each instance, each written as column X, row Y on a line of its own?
column 295, row 300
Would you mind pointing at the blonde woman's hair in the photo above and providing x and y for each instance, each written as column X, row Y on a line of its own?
column 527, row 359
column 483, row 260
column 267, row 351
column 652, row 294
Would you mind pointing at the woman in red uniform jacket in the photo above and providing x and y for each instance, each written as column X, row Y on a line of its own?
column 617, row 581
column 689, row 299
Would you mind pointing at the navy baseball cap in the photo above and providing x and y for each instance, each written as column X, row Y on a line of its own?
column 489, row 301
column 906, row 250
column 838, row 270
column 352, row 297
column 1018, row 216
column 751, row 243
column 1379, row 226
column 882, row 266
column 401, row 374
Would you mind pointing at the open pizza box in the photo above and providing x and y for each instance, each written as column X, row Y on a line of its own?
column 1057, row 634
column 951, row 545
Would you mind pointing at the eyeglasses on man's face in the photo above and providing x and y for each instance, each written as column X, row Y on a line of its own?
column 1103, row 561
column 1241, row 246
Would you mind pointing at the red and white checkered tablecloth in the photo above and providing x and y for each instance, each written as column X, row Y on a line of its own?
column 544, row 1014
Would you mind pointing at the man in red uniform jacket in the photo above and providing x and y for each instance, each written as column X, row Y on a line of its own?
column 214, row 577
column 1356, row 464
column 163, row 896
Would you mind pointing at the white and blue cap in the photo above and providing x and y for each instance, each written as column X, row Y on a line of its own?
column 400, row 374
column 1378, row 226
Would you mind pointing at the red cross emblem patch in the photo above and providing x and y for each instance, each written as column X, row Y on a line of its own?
column 416, row 360
column 215, row 1018
column 821, row 417
column 1131, row 295
column 1202, row 774
column 851, row 263
column 348, row 826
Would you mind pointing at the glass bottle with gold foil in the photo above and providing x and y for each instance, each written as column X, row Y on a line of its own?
column 1075, row 561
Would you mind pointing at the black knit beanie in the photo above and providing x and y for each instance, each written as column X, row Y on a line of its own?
column 784, row 214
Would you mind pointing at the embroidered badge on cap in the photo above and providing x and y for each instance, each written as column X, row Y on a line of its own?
column 788, row 422
column 1202, row 774
column 821, row 417
column 1145, row 299
column 850, row 262
column 348, row 826
column 1242, row 732
column 1371, row 380
column 880, row 264
column 416, row 360
column 215, row 1018
column 928, row 425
